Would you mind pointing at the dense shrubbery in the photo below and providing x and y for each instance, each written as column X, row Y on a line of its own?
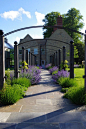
column 73, row 89
column 14, row 89
column 22, row 81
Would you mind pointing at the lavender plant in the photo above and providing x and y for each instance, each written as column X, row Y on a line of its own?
column 51, row 70
column 48, row 66
column 60, row 74
column 31, row 73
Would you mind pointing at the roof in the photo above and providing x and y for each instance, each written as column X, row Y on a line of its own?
column 8, row 45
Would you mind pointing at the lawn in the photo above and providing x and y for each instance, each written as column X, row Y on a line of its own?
column 78, row 73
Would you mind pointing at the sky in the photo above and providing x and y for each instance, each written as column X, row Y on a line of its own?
column 16, row 14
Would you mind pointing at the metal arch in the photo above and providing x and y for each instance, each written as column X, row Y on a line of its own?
column 45, row 40
column 41, row 27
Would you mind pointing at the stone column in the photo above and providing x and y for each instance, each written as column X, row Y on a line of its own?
column 27, row 56
column 23, row 56
column 56, row 58
column 59, row 57
column 64, row 56
column 29, row 59
column 15, row 60
column 85, row 62
column 71, row 59
column 2, row 60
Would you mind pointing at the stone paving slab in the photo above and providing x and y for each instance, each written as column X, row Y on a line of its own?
column 43, row 107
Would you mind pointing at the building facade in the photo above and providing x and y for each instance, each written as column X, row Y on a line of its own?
column 44, row 48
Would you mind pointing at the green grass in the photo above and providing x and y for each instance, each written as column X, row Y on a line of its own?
column 76, row 93
column 79, row 72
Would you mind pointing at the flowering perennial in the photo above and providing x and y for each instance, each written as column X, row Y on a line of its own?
column 31, row 73
column 61, row 73
column 53, row 69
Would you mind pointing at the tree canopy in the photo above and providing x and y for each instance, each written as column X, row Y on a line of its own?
column 72, row 20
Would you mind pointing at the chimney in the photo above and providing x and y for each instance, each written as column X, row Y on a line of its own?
column 59, row 21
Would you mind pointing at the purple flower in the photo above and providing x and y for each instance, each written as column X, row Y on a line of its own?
column 61, row 73
column 32, row 73
column 53, row 69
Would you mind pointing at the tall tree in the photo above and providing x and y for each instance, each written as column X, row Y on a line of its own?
column 50, row 20
column 73, row 20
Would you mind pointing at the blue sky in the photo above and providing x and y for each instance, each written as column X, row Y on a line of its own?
column 15, row 14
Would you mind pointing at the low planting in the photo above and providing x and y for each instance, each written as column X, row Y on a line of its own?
column 14, row 89
column 73, row 88
column 32, row 73
column 48, row 66
column 51, row 70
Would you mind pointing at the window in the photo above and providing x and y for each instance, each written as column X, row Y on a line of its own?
column 20, row 52
column 28, row 50
column 35, row 50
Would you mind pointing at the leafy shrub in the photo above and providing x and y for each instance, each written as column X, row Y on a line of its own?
column 76, row 95
column 55, row 72
column 64, row 90
column 8, row 78
column 25, row 65
column 53, row 69
column 22, row 81
column 10, row 95
column 67, row 82
column 32, row 73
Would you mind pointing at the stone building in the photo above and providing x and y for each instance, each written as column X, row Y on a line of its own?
column 44, row 48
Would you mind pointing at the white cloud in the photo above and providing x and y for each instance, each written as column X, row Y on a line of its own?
column 35, row 36
column 39, row 18
column 15, row 14
column 25, row 12
column 17, row 39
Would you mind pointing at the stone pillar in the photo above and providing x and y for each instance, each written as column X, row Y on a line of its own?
column 29, row 59
column 50, row 59
column 59, row 51
column 71, row 59
column 23, row 56
column 2, row 60
column 35, row 60
column 56, row 58
column 85, row 62
column 64, row 56
column 15, row 60
column 27, row 56
column 40, row 55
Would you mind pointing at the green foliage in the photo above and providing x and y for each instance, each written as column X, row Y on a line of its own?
column 22, row 81
column 67, row 82
column 76, row 95
column 64, row 90
column 12, row 54
column 73, row 20
column 10, row 95
column 8, row 79
column 50, row 20
column 55, row 72
column 75, row 52
column 65, row 65
column 25, row 65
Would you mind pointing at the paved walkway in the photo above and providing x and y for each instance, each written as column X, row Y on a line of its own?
column 43, row 107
